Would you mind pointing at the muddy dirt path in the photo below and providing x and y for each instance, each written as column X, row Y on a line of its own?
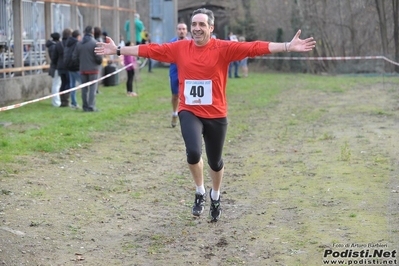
column 311, row 171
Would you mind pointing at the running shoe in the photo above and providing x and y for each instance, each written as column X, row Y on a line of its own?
column 199, row 203
column 215, row 211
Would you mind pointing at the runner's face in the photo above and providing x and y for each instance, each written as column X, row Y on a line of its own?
column 181, row 31
column 200, row 29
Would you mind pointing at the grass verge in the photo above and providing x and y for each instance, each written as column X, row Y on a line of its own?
column 39, row 127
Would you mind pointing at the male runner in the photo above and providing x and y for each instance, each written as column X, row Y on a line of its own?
column 203, row 63
column 181, row 31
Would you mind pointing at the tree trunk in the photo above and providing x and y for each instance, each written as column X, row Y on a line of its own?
column 383, row 25
column 352, row 29
column 343, row 53
column 395, row 10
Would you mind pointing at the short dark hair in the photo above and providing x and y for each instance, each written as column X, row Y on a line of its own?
column 55, row 36
column 179, row 23
column 209, row 13
column 75, row 33
column 88, row 30
column 127, row 43
column 97, row 32
column 66, row 33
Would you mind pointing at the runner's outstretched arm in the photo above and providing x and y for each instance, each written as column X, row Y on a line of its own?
column 109, row 48
column 296, row 45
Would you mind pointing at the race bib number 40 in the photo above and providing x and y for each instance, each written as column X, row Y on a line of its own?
column 198, row 92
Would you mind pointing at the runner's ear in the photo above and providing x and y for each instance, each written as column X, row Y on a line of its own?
column 211, row 28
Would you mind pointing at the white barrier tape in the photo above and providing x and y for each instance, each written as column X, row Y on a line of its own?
column 63, row 92
column 329, row 58
column 258, row 57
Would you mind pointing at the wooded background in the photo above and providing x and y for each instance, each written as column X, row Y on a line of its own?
column 340, row 27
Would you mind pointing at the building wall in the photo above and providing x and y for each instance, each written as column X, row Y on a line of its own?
column 18, row 89
column 107, row 16
column 21, row 89
column 33, row 86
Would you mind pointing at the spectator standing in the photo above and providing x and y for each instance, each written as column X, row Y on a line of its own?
column 53, row 72
column 181, row 31
column 244, row 62
column 72, row 65
column 97, row 34
column 110, row 59
column 104, row 35
column 122, row 41
column 89, row 65
column 139, row 28
column 148, row 40
column 144, row 36
column 61, row 67
column 127, row 60
column 232, row 37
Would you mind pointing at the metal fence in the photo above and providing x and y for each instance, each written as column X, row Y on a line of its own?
column 36, row 18
column 34, row 34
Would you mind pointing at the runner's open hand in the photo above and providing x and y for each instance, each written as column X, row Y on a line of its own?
column 299, row 45
column 106, row 48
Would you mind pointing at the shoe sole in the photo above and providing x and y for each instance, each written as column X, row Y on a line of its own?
column 213, row 219
column 197, row 215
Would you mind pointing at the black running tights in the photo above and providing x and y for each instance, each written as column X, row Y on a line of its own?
column 214, row 134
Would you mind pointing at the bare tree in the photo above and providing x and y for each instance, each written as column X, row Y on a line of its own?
column 341, row 28
column 395, row 10
column 352, row 28
column 380, row 5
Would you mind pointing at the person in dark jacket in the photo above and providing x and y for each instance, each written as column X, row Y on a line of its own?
column 89, row 64
column 72, row 65
column 56, row 84
column 62, row 70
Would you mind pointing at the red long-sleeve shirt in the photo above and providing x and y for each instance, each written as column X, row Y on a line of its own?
column 202, row 70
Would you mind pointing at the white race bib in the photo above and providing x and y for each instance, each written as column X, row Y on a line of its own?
column 198, row 92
